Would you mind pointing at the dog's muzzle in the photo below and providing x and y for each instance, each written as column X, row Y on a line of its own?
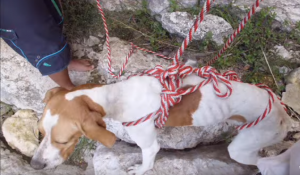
column 35, row 164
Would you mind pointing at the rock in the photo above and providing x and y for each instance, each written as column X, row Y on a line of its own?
column 192, row 63
column 4, row 108
column 21, row 131
column 175, row 137
column 284, row 70
column 286, row 10
column 117, row 5
column 138, row 62
column 180, row 23
column 13, row 164
column 92, row 41
column 25, row 87
column 297, row 136
column 294, row 77
column 187, row 3
column 223, row 2
column 158, row 6
column 208, row 160
column 283, row 53
column 292, row 96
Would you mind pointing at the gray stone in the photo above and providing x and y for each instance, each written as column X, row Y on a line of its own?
column 283, row 53
column 291, row 96
column 286, row 10
column 208, row 160
column 180, row 23
column 284, row 70
column 138, row 62
column 294, row 77
column 4, row 108
column 21, row 132
column 175, row 137
column 13, row 164
column 223, row 2
column 92, row 41
column 187, row 3
column 158, row 6
column 25, row 87
column 121, row 5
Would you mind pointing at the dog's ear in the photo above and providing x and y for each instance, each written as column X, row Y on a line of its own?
column 50, row 93
column 93, row 127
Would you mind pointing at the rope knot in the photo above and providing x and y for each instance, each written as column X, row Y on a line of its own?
column 207, row 72
column 212, row 75
column 231, row 75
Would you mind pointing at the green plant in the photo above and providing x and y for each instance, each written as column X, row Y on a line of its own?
column 80, row 18
column 82, row 147
column 295, row 34
column 229, row 13
column 174, row 5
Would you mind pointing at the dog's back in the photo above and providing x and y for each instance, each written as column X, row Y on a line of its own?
column 246, row 103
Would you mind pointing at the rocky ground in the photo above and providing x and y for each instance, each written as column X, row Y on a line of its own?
column 158, row 25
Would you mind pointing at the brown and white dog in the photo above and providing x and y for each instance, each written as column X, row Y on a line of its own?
column 70, row 114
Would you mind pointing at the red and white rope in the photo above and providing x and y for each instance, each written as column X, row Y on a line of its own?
column 171, row 78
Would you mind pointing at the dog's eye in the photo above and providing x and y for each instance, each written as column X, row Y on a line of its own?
column 61, row 143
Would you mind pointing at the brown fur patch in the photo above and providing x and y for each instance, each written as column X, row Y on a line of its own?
column 181, row 113
column 238, row 118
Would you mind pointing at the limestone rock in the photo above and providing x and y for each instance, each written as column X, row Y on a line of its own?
column 283, row 53
column 292, row 96
column 294, row 77
column 4, row 108
column 92, row 41
column 117, row 5
column 187, row 3
column 138, row 62
column 208, row 160
column 284, row 70
column 13, row 164
column 286, row 10
column 21, row 132
column 25, row 87
column 180, row 23
column 175, row 137
column 158, row 6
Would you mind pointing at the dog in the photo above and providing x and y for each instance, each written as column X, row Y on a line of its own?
column 70, row 114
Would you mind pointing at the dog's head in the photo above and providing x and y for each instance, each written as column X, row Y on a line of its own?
column 63, row 123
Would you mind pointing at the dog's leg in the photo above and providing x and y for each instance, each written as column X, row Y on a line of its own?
column 145, row 136
column 245, row 146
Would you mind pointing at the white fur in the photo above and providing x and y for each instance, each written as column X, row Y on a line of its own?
column 285, row 163
column 126, row 101
column 46, row 152
column 139, row 96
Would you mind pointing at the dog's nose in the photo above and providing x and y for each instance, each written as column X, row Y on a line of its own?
column 37, row 164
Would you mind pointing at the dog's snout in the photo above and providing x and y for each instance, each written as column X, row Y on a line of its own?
column 37, row 164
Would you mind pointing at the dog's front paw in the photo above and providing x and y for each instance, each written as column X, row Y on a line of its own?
column 137, row 169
